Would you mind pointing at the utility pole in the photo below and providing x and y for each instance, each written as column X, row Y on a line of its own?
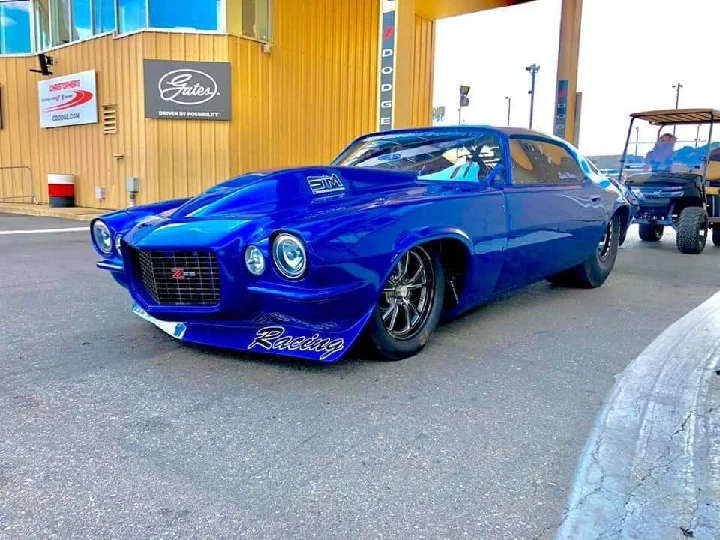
column 677, row 88
column 509, row 104
column 533, row 69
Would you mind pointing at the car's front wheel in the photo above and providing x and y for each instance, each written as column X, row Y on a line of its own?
column 692, row 230
column 410, row 305
column 651, row 233
column 594, row 271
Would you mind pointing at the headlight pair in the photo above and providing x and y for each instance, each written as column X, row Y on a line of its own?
column 288, row 253
column 104, row 238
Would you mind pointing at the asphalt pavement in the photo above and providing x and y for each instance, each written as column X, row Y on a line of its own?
column 111, row 429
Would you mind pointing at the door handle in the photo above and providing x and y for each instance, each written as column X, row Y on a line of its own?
column 595, row 198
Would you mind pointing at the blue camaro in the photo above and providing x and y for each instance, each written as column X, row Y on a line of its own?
column 404, row 228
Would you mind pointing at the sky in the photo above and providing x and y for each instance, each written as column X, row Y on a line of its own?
column 632, row 52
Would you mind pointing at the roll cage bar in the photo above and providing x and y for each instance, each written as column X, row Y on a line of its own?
column 673, row 117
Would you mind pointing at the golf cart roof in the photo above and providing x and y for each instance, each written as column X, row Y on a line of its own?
column 679, row 116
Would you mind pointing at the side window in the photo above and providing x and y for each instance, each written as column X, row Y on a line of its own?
column 526, row 162
column 542, row 162
column 561, row 165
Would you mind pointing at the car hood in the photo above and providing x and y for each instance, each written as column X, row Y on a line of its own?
column 252, row 203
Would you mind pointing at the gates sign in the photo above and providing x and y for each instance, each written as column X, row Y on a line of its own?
column 187, row 90
column 69, row 100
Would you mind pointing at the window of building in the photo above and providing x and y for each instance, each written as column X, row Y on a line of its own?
column 82, row 20
column 15, row 27
column 195, row 15
column 42, row 25
column 104, row 14
column 131, row 15
column 256, row 19
column 60, row 22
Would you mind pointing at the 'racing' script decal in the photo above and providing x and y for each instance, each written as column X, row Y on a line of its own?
column 325, row 184
column 274, row 338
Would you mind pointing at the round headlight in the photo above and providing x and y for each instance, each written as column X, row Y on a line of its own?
column 103, row 237
column 289, row 256
column 254, row 260
column 118, row 239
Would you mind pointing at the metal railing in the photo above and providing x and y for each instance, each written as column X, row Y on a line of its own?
column 13, row 189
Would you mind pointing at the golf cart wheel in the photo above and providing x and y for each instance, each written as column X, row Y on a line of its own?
column 595, row 270
column 410, row 305
column 651, row 233
column 692, row 230
column 716, row 235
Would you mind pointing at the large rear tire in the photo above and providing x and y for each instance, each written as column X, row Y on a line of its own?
column 651, row 233
column 410, row 305
column 595, row 270
column 692, row 230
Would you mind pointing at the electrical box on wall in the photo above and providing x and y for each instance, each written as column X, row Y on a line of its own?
column 100, row 193
column 133, row 184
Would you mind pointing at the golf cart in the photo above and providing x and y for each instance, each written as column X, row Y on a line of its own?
column 678, row 188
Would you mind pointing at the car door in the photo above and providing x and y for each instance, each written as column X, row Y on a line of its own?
column 552, row 210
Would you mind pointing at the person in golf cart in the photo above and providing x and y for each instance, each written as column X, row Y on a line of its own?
column 660, row 158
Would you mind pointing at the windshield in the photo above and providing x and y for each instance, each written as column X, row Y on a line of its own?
column 671, row 149
column 457, row 156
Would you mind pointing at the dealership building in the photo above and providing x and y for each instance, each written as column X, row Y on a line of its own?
column 170, row 97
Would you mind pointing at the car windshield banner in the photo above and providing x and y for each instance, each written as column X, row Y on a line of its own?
column 68, row 100
column 187, row 90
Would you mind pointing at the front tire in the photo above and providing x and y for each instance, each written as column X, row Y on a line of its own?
column 595, row 270
column 410, row 306
column 692, row 230
column 651, row 233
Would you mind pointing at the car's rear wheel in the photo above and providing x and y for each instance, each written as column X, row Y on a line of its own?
column 651, row 233
column 410, row 305
column 692, row 230
column 594, row 271
column 716, row 235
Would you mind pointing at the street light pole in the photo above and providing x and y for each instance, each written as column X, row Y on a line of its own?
column 509, row 102
column 533, row 69
column 677, row 88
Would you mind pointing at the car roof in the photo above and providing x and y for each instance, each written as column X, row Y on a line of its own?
column 678, row 116
column 507, row 131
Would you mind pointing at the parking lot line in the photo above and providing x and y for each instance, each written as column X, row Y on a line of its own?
column 45, row 231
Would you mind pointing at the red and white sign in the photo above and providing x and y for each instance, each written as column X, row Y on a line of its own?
column 69, row 100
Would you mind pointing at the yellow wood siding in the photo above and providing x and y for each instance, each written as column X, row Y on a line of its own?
column 301, row 103
column 423, row 71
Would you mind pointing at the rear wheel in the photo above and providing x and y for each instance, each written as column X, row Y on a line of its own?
column 410, row 305
column 595, row 270
column 692, row 230
column 651, row 233
column 716, row 235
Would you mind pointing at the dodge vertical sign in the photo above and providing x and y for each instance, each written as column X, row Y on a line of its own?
column 187, row 90
column 561, row 108
column 68, row 100
column 387, row 64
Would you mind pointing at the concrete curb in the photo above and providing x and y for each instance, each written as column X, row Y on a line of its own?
column 77, row 214
column 651, row 466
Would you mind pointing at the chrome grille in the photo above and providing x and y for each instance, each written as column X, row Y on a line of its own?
column 180, row 278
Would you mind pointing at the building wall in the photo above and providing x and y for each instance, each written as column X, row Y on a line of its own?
column 299, row 104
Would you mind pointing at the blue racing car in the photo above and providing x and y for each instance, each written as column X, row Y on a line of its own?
column 403, row 229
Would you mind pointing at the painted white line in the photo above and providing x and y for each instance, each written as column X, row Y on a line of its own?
column 651, row 466
column 46, row 231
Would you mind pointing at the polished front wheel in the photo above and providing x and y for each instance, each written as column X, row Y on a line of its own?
column 409, row 306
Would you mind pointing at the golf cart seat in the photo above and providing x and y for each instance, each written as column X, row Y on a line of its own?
column 713, row 171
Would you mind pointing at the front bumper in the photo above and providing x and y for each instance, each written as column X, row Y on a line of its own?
column 271, row 334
